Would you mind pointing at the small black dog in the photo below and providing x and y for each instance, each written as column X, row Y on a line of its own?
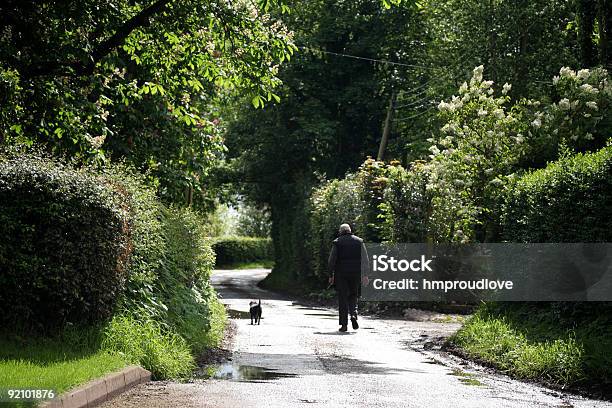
column 255, row 311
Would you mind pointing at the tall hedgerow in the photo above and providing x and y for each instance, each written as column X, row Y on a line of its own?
column 65, row 247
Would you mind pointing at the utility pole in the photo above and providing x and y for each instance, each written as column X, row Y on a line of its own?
column 387, row 129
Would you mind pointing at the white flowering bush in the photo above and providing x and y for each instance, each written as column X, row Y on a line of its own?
column 485, row 140
column 480, row 143
column 580, row 118
column 476, row 159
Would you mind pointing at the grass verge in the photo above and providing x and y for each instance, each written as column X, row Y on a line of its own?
column 58, row 363
column 560, row 345
column 77, row 356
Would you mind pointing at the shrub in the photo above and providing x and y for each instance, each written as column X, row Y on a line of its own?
column 568, row 201
column 183, row 281
column 64, row 247
column 170, row 266
column 332, row 204
column 232, row 250
column 406, row 205
column 82, row 246
column 355, row 200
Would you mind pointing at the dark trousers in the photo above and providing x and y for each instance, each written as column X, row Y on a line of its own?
column 348, row 291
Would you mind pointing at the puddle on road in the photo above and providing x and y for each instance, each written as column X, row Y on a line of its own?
column 247, row 373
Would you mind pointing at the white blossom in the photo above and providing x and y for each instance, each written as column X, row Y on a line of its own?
column 583, row 74
column 536, row 123
column 564, row 104
column 443, row 106
column 499, row 113
column 97, row 142
column 506, row 88
column 464, row 88
column 449, row 128
column 589, row 89
column 592, row 105
column 567, row 72
column 555, row 80
column 487, row 84
column 482, row 112
column 478, row 73
column 456, row 102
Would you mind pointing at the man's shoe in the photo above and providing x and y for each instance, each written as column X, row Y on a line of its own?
column 354, row 323
column 343, row 328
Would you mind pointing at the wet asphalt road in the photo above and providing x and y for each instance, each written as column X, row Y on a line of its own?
column 297, row 358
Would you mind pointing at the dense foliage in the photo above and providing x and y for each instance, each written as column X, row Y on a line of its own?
column 353, row 62
column 235, row 250
column 98, row 249
column 568, row 201
column 168, row 294
column 139, row 80
column 472, row 188
column 65, row 247
column 253, row 221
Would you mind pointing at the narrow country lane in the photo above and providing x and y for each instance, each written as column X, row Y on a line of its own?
column 296, row 357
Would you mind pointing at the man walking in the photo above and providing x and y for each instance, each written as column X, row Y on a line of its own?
column 347, row 257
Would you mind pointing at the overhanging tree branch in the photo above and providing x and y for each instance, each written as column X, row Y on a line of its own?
column 80, row 68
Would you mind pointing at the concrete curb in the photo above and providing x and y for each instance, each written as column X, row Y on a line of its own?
column 97, row 391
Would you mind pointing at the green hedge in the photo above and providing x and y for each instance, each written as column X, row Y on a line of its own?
column 381, row 202
column 234, row 250
column 96, row 248
column 568, row 201
column 64, row 247
column 169, row 267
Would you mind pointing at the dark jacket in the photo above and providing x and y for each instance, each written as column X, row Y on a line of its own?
column 348, row 256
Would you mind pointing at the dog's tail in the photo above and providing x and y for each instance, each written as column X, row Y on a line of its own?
column 259, row 302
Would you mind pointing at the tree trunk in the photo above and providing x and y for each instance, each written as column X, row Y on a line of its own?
column 605, row 31
column 586, row 18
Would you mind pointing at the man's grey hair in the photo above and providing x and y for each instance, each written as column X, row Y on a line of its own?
column 344, row 229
